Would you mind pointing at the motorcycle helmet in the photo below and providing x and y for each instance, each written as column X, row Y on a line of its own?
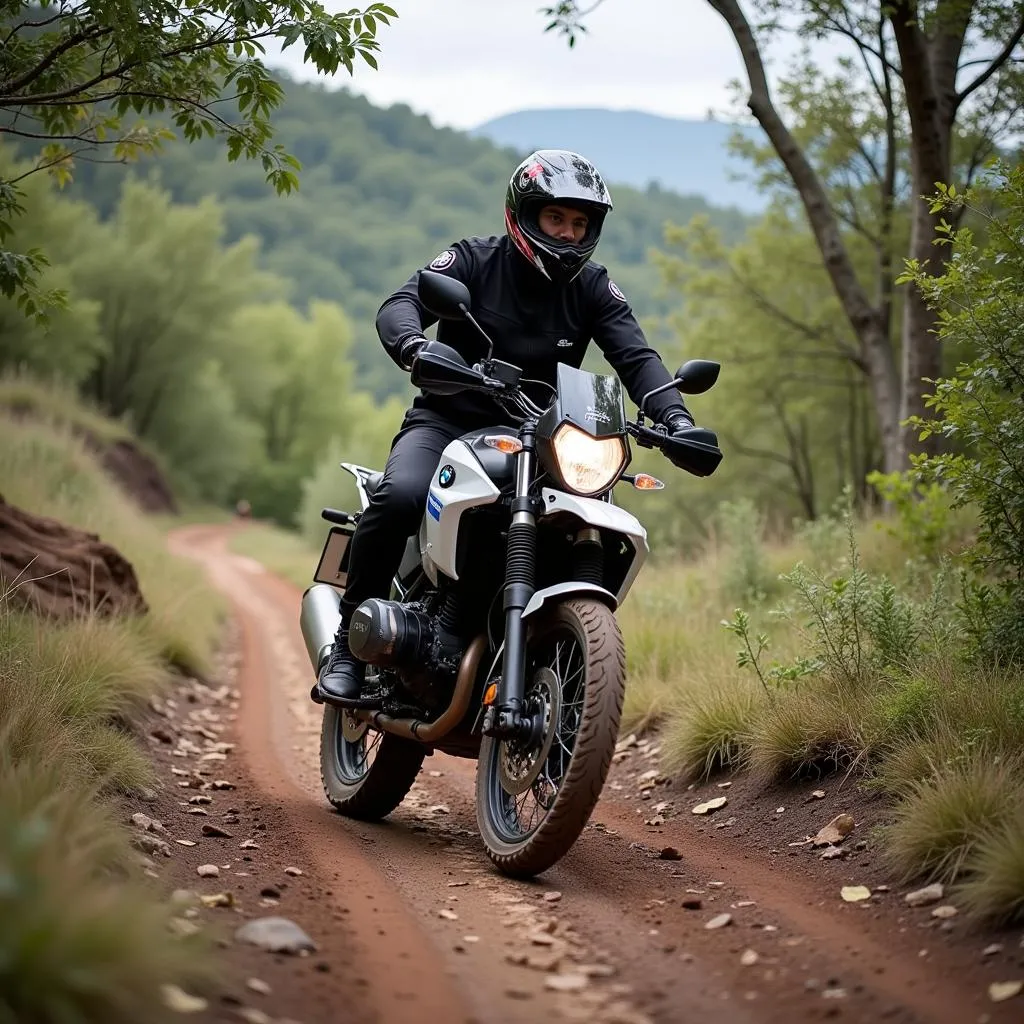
column 568, row 179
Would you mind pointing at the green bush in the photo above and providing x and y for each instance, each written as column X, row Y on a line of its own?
column 979, row 410
column 745, row 573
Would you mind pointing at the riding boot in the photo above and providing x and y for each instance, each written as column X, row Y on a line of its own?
column 343, row 676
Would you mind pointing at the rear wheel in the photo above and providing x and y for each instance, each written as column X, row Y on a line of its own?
column 534, row 798
column 365, row 773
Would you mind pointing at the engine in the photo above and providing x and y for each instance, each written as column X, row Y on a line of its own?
column 404, row 637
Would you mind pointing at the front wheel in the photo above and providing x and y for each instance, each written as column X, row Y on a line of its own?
column 534, row 798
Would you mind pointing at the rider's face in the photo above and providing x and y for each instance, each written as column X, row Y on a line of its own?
column 564, row 223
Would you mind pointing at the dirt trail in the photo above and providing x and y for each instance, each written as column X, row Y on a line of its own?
column 619, row 921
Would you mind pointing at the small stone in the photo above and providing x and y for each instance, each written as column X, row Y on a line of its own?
column 670, row 853
column 275, row 935
column 710, row 805
column 258, row 985
column 146, row 795
column 832, row 852
column 692, row 903
column 253, row 1016
column 216, row 832
column 926, row 896
column 184, row 842
column 270, row 893
column 721, row 921
column 183, row 928
column 294, row 872
column 818, row 794
column 566, row 982
column 835, row 831
column 448, row 915
column 220, row 899
column 1000, row 991
column 207, row 871
column 996, row 947
column 180, row 1001
column 222, row 784
column 248, row 844
column 552, row 897
column 833, row 992
column 749, row 957
column 945, row 912
column 855, row 893
column 151, row 844
column 200, row 798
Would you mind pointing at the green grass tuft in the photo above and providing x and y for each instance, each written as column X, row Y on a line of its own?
column 710, row 732
column 994, row 888
column 940, row 823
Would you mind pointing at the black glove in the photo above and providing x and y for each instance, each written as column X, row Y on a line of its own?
column 409, row 350
column 677, row 421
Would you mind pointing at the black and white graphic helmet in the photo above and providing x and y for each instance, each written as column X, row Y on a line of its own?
column 555, row 176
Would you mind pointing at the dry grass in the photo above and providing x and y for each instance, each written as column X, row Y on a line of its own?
column 81, row 938
column 994, row 888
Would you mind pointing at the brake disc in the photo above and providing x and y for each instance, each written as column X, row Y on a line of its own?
column 518, row 766
column 352, row 729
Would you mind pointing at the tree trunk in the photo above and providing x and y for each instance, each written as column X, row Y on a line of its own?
column 884, row 382
column 929, row 57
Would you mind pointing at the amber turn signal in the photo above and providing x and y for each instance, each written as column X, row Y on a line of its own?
column 646, row 482
column 504, row 443
column 490, row 694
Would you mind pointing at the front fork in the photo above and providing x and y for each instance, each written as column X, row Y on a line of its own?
column 505, row 717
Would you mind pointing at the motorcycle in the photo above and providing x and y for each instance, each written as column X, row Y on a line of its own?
column 500, row 641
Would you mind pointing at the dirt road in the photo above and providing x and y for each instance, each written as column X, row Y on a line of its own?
column 413, row 923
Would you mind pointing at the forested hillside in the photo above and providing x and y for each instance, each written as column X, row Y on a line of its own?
column 381, row 192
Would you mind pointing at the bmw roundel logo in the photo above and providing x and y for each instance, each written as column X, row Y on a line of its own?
column 447, row 476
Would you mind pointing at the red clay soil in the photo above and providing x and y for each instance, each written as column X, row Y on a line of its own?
column 412, row 923
column 60, row 571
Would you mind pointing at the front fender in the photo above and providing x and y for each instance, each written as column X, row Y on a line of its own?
column 562, row 590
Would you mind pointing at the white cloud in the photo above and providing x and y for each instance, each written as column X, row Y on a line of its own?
column 465, row 61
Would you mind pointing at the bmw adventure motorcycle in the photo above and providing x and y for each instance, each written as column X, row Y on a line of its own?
column 500, row 641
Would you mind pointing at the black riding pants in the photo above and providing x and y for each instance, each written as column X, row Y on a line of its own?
column 396, row 508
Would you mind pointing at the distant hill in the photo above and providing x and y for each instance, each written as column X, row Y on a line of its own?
column 382, row 191
column 689, row 157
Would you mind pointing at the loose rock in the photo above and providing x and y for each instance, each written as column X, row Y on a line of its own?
column 1000, row 991
column 692, row 903
column 258, row 985
column 926, row 896
column 207, row 871
column 945, row 912
column 180, row 1001
column 566, row 982
column 855, row 893
column 150, row 844
column 835, row 831
column 710, row 805
column 275, row 935
column 294, row 872
column 749, row 957
column 448, row 915
column 670, row 853
column 721, row 921
column 552, row 897
column 216, row 832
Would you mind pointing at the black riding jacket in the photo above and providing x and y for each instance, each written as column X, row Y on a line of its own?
column 534, row 324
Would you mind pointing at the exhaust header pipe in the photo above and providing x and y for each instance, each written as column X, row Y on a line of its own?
column 319, row 620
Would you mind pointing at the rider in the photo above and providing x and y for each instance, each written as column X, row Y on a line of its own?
column 542, row 302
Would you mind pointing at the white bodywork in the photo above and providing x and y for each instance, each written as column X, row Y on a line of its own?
column 603, row 515
column 470, row 488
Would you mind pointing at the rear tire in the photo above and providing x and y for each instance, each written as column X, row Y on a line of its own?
column 365, row 777
column 589, row 734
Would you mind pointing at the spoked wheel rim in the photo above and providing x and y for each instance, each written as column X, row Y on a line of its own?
column 524, row 779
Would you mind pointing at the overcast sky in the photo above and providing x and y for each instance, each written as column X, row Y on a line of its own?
column 465, row 61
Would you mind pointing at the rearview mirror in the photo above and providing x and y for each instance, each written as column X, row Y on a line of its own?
column 443, row 296
column 696, row 376
column 440, row 370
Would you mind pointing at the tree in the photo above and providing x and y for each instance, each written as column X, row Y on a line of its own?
column 950, row 64
column 72, row 72
column 793, row 400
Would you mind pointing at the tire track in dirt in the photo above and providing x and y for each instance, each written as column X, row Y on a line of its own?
column 619, row 904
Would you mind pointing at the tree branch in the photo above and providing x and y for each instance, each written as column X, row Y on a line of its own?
column 52, row 57
column 812, row 193
column 997, row 62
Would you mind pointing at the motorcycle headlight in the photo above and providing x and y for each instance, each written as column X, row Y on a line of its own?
column 588, row 465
